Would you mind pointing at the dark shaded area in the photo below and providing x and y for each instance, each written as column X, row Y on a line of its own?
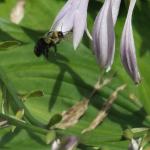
column 36, row 138
column 8, row 137
column 80, row 84
column 141, row 20
column 5, row 139
column 5, row 36
column 33, row 34
column 85, row 147
column 134, row 120
column 126, row 121
column 96, row 6
column 56, row 89
column 2, row 1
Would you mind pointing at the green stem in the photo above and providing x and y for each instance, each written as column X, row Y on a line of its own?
column 11, row 90
column 19, row 123
column 97, row 85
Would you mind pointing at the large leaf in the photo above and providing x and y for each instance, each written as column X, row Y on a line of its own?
column 65, row 79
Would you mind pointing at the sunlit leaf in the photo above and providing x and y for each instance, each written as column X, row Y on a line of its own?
column 66, row 78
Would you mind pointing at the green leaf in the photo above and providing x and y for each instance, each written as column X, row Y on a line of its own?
column 66, row 78
column 50, row 137
column 7, row 44
column 54, row 120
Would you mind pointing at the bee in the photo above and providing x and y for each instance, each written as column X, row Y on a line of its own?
column 51, row 39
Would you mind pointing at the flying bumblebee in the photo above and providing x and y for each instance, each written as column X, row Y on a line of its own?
column 51, row 39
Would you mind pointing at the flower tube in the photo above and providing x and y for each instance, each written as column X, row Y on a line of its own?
column 128, row 55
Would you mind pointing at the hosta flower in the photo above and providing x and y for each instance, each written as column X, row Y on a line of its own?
column 115, row 9
column 56, row 144
column 103, row 33
column 72, row 142
column 68, row 143
column 128, row 55
column 17, row 13
column 72, row 17
column 135, row 145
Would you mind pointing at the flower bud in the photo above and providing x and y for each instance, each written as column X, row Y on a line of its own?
column 128, row 54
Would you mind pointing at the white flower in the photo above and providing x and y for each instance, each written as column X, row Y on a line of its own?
column 68, row 143
column 56, row 145
column 135, row 144
column 128, row 55
column 17, row 13
column 103, row 33
column 72, row 17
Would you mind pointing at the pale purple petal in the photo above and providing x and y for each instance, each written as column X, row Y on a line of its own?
column 96, row 29
column 78, row 28
column 95, row 34
column 72, row 17
column 72, row 142
column 128, row 54
column 115, row 9
column 62, row 13
column 103, row 36
column 65, row 24
column 79, row 22
column 64, row 20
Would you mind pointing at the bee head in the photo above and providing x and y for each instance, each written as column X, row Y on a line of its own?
column 40, row 47
column 60, row 34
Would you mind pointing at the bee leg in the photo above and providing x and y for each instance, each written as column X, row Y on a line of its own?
column 55, row 48
column 46, row 52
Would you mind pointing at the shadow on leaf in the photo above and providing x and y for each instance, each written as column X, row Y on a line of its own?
column 61, row 61
column 142, row 24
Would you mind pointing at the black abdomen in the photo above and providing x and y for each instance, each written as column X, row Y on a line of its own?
column 40, row 47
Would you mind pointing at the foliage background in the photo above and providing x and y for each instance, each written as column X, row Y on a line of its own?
column 70, row 76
